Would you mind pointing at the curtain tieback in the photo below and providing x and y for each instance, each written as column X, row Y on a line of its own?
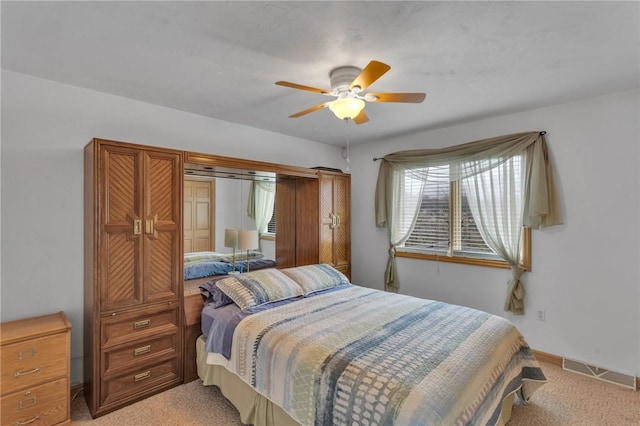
column 516, row 272
column 392, row 251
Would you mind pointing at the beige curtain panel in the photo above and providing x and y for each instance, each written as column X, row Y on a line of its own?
column 535, row 202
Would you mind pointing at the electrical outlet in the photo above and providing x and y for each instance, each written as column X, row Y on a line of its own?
column 542, row 315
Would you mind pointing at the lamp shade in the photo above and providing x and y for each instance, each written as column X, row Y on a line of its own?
column 231, row 238
column 346, row 107
column 248, row 239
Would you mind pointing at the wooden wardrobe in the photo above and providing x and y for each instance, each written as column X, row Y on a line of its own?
column 335, row 220
column 317, row 228
column 139, row 337
column 133, row 273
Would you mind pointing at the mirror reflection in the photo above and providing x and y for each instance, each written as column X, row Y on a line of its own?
column 229, row 220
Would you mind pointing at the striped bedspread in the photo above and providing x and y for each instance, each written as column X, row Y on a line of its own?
column 361, row 356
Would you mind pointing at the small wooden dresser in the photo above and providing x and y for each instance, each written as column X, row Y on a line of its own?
column 34, row 368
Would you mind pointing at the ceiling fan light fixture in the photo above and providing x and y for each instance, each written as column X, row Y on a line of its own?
column 346, row 107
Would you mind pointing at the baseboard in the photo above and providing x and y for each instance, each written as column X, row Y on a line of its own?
column 548, row 358
column 557, row 361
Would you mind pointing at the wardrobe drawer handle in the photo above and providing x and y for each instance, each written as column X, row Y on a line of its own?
column 141, row 324
column 25, row 373
column 141, row 350
column 142, row 376
column 27, row 422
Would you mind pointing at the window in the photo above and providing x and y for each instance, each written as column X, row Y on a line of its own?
column 445, row 228
column 271, row 226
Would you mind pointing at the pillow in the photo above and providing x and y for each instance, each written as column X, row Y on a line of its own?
column 213, row 294
column 199, row 256
column 194, row 270
column 314, row 278
column 259, row 287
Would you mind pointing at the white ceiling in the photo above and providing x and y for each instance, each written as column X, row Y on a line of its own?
column 221, row 59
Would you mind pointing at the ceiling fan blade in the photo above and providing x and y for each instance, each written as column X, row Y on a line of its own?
column 301, row 87
column 309, row 110
column 373, row 71
column 415, row 98
column 361, row 118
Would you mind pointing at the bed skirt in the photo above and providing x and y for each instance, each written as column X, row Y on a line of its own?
column 256, row 409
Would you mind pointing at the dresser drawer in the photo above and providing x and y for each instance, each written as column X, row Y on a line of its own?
column 141, row 352
column 34, row 361
column 134, row 326
column 46, row 404
column 135, row 383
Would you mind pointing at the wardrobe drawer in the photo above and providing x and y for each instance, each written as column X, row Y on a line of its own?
column 34, row 361
column 141, row 352
column 132, row 384
column 133, row 326
column 41, row 405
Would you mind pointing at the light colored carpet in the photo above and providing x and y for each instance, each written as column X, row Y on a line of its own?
column 567, row 399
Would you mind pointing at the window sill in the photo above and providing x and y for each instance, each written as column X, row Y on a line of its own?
column 268, row 237
column 455, row 259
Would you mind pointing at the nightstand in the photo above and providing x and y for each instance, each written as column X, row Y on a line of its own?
column 34, row 371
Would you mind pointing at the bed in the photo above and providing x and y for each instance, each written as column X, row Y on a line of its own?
column 304, row 346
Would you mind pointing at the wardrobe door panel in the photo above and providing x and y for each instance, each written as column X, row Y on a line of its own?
column 342, row 242
column 121, row 213
column 162, row 236
column 327, row 220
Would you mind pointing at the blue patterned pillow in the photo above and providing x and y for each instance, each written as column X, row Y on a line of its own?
column 194, row 270
column 314, row 278
column 259, row 287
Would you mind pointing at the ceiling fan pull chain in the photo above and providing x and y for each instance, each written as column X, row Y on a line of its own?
column 347, row 160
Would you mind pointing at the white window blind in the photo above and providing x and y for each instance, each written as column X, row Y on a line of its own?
column 431, row 230
column 470, row 239
column 445, row 223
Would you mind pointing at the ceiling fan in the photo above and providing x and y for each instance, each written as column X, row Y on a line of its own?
column 348, row 84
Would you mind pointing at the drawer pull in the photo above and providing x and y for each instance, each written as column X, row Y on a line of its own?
column 141, row 350
column 25, row 373
column 142, row 376
column 27, row 422
column 27, row 354
column 27, row 402
column 141, row 324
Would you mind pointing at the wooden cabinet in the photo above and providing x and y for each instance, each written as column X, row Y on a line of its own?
column 317, row 225
column 133, row 273
column 335, row 221
column 34, row 369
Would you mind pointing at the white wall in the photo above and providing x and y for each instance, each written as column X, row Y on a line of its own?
column 585, row 272
column 45, row 126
